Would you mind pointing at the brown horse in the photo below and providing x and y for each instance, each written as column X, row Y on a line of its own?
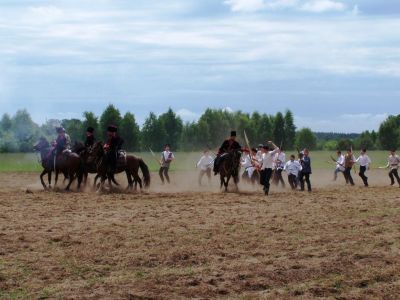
column 68, row 164
column 88, row 166
column 229, row 167
column 131, row 168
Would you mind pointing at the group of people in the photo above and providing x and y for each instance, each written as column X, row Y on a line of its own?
column 62, row 144
column 261, row 164
column 265, row 162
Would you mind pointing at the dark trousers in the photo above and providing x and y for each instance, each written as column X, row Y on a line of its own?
column 347, row 175
column 111, row 160
column 392, row 174
column 305, row 177
column 207, row 172
column 362, row 175
column 278, row 177
column 164, row 172
column 292, row 181
column 265, row 177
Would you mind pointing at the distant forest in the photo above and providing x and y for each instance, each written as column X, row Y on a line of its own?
column 18, row 132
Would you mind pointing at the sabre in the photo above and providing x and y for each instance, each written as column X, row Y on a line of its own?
column 154, row 156
column 248, row 146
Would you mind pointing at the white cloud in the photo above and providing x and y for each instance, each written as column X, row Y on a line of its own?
column 228, row 109
column 315, row 6
column 318, row 6
column 187, row 115
column 355, row 11
column 342, row 123
column 245, row 5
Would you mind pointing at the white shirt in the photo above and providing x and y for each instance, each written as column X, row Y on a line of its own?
column 268, row 159
column 166, row 157
column 259, row 156
column 246, row 161
column 280, row 159
column 293, row 167
column 363, row 160
column 340, row 162
column 205, row 162
column 393, row 162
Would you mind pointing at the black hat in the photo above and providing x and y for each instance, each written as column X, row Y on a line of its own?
column 112, row 128
column 90, row 129
column 233, row 133
column 166, row 145
column 266, row 147
column 60, row 129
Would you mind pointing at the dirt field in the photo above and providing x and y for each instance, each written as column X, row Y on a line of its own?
column 183, row 241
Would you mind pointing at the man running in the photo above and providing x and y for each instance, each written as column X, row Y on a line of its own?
column 393, row 165
column 205, row 165
column 292, row 168
column 364, row 161
column 166, row 158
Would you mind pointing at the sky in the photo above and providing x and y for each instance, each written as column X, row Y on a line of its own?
column 334, row 63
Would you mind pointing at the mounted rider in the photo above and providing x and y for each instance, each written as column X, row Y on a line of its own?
column 90, row 139
column 111, row 147
column 227, row 146
column 61, row 145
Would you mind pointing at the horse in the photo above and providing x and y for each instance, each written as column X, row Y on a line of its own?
column 70, row 165
column 131, row 167
column 229, row 167
column 88, row 167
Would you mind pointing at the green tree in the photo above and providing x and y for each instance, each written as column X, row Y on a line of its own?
column 305, row 138
column 264, row 129
column 26, row 132
column 153, row 133
column 5, row 123
column 290, row 130
column 344, row 144
column 90, row 120
column 74, row 128
column 173, row 127
column 330, row 145
column 8, row 143
column 389, row 133
column 278, row 132
column 110, row 116
column 48, row 129
column 130, row 132
column 365, row 140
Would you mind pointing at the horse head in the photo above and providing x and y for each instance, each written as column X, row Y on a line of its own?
column 78, row 147
column 41, row 144
column 96, row 151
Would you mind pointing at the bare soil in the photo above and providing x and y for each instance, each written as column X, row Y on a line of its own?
column 183, row 241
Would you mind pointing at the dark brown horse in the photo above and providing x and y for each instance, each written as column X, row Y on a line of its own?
column 68, row 164
column 89, row 166
column 130, row 166
column 229, row 167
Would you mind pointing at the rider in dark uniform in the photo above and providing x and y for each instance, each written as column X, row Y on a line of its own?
column 113, row 145
column 90, row 139
column 227, row 146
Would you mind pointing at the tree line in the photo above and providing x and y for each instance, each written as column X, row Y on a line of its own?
column 19, row 132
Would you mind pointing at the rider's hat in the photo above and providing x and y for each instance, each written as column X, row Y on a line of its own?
column 112, row 128
column 233, row 133
column 90, row 129
column 60, row 129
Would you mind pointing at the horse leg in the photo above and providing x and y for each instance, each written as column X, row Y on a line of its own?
column 71, row 179
column 41, row 179
column 226, row 183
column 56, row 178
column 129, row 178
column 95, row 181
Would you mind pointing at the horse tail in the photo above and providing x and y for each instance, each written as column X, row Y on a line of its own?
column 146, row 173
